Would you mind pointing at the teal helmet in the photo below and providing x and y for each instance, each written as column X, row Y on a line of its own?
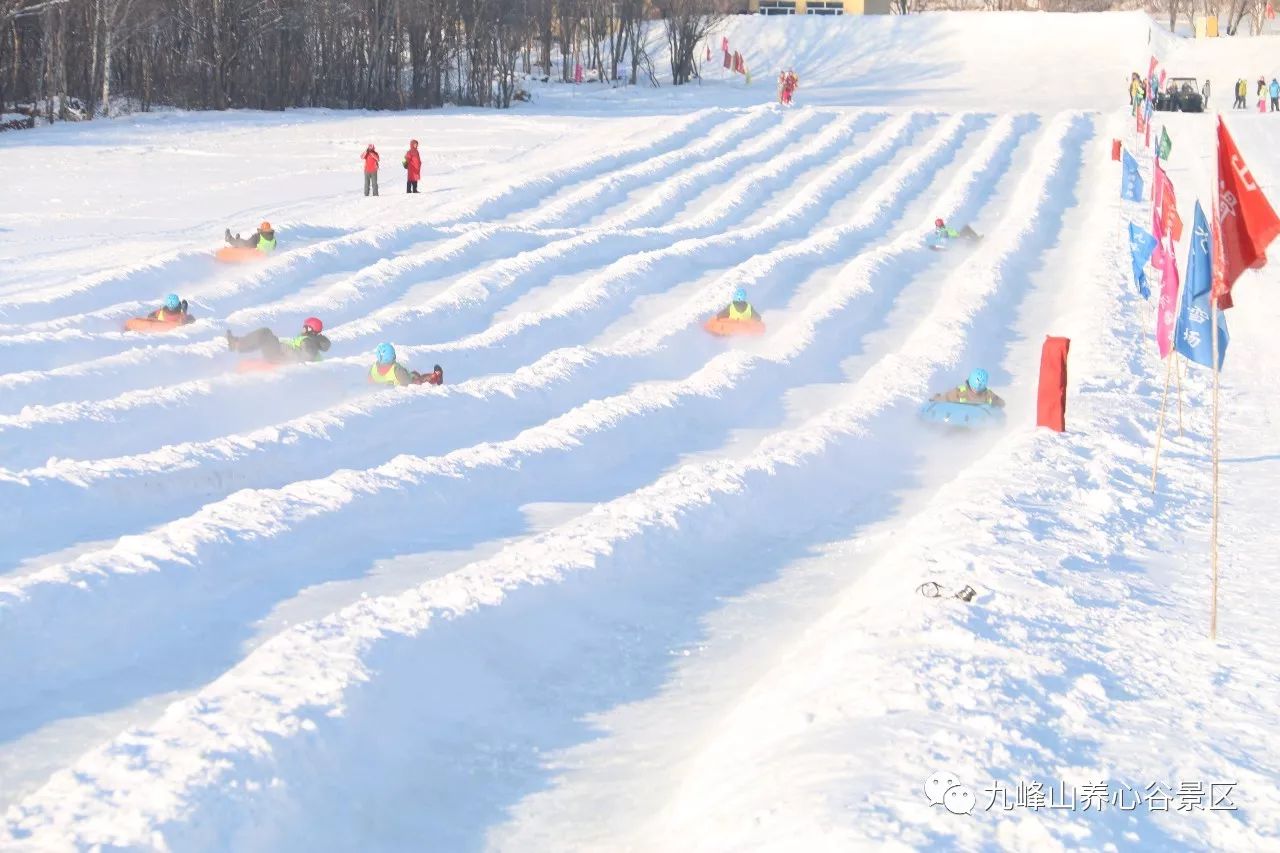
column 386, row 353
column 740, row 295
column 978, row 379
column 172, row 302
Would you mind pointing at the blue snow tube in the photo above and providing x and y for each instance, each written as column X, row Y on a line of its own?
column 966, row 415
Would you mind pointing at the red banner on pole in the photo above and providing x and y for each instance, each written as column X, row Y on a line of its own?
column 1051, row 402
column 1246, row 221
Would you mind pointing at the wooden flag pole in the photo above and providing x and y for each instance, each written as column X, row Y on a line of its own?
column 1168, row 377
column 1213, row 531
column 1178, row 374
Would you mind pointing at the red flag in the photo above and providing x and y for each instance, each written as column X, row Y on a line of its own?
column 1246, row 221
column 728, row 60
column 1142, row 120
column 1164, row 205
column 1051, row 400
column 1271, row 12
column 1152, row 70
column 1115, row 150
column 1217, row 266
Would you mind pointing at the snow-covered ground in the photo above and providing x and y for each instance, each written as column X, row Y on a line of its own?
column 617, row 584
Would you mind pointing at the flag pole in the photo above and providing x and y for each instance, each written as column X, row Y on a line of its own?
column 1213, row 534
column 1178, row 373
column 1168, row 376
column 1216, row 270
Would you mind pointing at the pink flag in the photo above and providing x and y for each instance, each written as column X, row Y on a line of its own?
column 1152, row 70
column 577, row 72
column 1167, row 311
column 724, row 44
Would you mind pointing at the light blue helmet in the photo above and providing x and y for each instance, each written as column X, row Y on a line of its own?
column 978, row 379
column 740, row 295
column 172, row 302
column 386, row 353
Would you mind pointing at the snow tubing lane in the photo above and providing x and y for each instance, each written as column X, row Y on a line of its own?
column 724, row 327
column 149, row 324
column 239, row 255
column 968, row 415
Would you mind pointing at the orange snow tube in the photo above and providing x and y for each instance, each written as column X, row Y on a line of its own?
column 257, row 365
column 239, row 255
column 150, row 324
column 724, row 327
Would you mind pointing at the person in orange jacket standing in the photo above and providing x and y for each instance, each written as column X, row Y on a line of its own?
column 413, row 163
column 370, row 158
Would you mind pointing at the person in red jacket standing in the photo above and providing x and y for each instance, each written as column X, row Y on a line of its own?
column 370, row 158
column 413, row 163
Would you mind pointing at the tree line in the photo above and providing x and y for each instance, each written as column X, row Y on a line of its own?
column 84, row 58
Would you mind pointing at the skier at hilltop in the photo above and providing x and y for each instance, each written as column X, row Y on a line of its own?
column 413, row 167
column 370, row 158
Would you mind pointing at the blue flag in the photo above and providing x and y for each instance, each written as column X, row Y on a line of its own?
column 1193, row 335
column 1141, row 244
column 1131, row 181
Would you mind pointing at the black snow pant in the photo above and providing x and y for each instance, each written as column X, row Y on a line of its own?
column 1275, row 104
column 1239, row 104
column 370, row 181
column 263, row 340
column 411, row 186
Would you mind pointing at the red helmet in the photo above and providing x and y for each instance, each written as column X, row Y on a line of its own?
column 938, row 223
column 312, row 325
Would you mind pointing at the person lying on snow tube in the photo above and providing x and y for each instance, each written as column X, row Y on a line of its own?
column 740, row 309
column 942, row 233
column 387, row 371
column 973, row 391
column 264, row 239
column 171, row 315
column 174, row 311
column 304, row 347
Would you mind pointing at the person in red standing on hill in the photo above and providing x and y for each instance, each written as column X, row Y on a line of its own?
column 413, row 163
column 789, row 87
column 370, row 158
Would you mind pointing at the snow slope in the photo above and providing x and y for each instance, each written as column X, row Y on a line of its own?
column 618, row 585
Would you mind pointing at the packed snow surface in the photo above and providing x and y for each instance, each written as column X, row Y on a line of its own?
column 618, row 584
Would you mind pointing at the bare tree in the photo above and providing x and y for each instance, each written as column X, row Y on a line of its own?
column 687, row 23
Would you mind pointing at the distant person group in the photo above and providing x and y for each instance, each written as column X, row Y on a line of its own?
column 788, row 82
column 1265, row 90
column 412, row 163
